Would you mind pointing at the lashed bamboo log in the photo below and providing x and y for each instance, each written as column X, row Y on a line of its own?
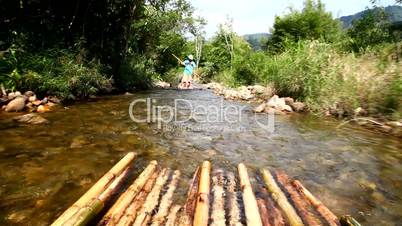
column 250, row 204
column 144, row 215
column 171, row 218
column 201, row 210
column 275, row 215
column 117, row 210
column 96, row 189
column 348, row 220
column 329, row 217
column 263, row 212
column 233, row 209
column 131, row 211
column 280, row 198
column 300, row 204
column 166, row 201
column 186, row 215
column 89, row 211
column 218, row 211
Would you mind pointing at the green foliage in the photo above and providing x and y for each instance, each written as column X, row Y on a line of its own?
column 136, row 72
column 129, row 40
column 312, row 23
column 57, row 72
column 372, row 29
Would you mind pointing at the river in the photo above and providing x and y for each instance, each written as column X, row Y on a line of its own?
column 45, row 168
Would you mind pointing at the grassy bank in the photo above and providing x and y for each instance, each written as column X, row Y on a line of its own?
column 327, row 79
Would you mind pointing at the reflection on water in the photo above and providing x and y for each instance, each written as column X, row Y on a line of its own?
column 43, row 169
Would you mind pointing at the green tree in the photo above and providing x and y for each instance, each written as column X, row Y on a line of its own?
column 372, row 29
column 311, row 23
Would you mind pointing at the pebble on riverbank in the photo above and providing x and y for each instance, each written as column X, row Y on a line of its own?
column 271, row 103
column 17, row 102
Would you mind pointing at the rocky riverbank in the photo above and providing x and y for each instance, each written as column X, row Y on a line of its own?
column 271, row 103
column 29, row 103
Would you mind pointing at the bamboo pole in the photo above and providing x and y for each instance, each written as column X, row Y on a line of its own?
column 89, row 211
column 250, row 204
column 348, row 220
column 96, row 189
column 218, row 211
column 117, row 210
column 201, row 210
column 275, row 215
column 264, row 212
column 171, row 218
column 131, row 212
column 186, row 215
column 329, row 217
column 166, row 201
column 299, row 203
column 151, row 201
column 280, row 198
column 234, row 210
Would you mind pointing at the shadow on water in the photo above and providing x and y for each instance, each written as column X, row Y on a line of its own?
column 43, row 169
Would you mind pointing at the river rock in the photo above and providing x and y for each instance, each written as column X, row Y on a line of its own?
column 278, row 104
column 54, row 100
column 37, row 102
column 15, row 105
column 244, row 93
column 260, row 108
column 162, row 84
column 31, row 118
column 79, row 142
column 29, row 93
column 32, row 98
column 289, row 101
column 230, row 94
column 257, row 89
column 299, row 106
column 43, row 108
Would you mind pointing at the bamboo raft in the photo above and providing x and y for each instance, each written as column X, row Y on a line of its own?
column 214, row 199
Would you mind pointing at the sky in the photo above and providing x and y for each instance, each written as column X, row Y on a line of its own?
column 257, row 16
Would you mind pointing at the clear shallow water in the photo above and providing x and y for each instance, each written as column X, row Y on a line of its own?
column 45, row 168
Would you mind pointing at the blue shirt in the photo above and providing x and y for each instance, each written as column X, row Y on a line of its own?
column 189, row 67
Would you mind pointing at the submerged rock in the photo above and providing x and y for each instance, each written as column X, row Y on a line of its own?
column 43, row 108
column 31, row 118
column 260, row 108
column 79, row 142
column 18, row 104
column 162, row 84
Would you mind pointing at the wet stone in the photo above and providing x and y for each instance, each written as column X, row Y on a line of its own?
column 79, row 142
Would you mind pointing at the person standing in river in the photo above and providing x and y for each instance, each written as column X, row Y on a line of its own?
column 189, row 66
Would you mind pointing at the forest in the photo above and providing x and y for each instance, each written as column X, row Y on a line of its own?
column 74, row 49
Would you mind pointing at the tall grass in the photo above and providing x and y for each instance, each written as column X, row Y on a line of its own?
column 325, row 78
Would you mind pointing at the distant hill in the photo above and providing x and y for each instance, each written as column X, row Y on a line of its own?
column 394, row 12
column 255, row 39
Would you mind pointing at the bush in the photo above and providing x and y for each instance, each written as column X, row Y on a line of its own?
column 136, row 72
column 57, row 72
